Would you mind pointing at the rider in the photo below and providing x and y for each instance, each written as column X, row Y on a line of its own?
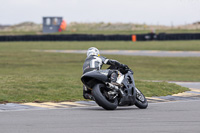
column 95, row 62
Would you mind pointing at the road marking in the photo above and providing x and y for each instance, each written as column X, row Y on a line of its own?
column 196, row 90
column 155, row 99
column 40, row 105
column 55, row 105
column 72, row 103
column 51, row 105
column 186, row 94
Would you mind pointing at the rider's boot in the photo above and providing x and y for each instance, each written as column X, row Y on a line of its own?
column 87, row 93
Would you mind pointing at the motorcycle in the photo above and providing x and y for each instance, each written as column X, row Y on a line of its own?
column 109, row 95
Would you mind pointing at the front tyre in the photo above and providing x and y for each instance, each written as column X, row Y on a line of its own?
column 99, row 93
column 140, row 101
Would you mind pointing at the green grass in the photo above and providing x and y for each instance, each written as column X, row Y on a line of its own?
column 106, row 45
column 159, row 88
column 27, row 76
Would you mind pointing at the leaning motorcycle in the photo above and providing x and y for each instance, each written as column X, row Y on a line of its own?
column 109, row 95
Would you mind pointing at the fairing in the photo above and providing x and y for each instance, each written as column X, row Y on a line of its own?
column 93, row 76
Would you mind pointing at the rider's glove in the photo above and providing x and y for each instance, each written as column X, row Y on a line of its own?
column 123, row 66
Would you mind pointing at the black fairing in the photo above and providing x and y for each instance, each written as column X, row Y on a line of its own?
column 129, row 89
column 91, row 78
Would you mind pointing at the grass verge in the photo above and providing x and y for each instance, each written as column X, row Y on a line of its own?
column 29, row 76
column 104, row 45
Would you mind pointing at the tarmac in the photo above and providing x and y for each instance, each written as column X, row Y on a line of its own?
column 162, row 117
column 156, row 53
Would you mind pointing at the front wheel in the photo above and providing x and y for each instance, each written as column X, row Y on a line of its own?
column 140, row 101
column 101, row 97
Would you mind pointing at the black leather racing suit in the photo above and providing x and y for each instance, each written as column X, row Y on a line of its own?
column 95, row 63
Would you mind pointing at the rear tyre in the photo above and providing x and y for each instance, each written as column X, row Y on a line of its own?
column 140, row 101
column 101, row 99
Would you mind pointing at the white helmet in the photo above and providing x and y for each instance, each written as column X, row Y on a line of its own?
column 93, row 51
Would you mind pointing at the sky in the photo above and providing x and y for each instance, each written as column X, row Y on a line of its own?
column 157, row 12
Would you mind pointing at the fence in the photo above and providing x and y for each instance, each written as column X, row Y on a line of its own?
column 88, row 37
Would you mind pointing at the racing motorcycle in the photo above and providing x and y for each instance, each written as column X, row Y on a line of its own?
column 109, row 95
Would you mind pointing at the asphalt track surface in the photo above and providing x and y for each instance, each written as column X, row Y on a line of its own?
column 134, row 52
column 171, row 117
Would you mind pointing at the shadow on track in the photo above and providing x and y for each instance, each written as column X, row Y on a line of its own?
column 118, row 109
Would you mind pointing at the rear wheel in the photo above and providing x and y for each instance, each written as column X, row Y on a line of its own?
column 102, row 98
column 141, row 101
